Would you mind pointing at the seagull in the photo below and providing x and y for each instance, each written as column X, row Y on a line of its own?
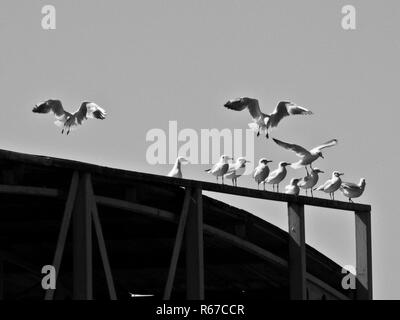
column 309, row 181
column 220, row 168
column 353, row 190
column 307, row 157
column 276, row 176
column 293, row 188
column 262, row 121
column 176, row 171
column 236, row 170
column 261, row 172
column 66, row 119
column 331, row 185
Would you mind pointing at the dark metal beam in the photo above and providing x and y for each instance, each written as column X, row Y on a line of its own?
column 82, row 242
column 363, row 255
column 64, row 229
column 297, row 252
column 194, row 249
column 178, row 244
column 102, row 245
column 30, row 191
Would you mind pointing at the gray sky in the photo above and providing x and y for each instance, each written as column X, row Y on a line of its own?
column 148, row 62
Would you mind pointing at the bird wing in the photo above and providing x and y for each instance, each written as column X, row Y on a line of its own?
column 284, row 109
column 327, row 144
column 349, row 185
column 300, row 151
column 89, row 110
column 243, row 103
column 325, row 185
column 51, row 105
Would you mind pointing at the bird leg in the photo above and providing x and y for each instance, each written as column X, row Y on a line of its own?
column 264, row 186
column 333, row 196
column 351, row 200
column 306, row 169
column 258, row 133
column 312, row 194
column 277, row 187
column 306, row 193
column 267, row 135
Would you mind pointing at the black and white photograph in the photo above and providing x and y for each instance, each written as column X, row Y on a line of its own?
column 199, row 156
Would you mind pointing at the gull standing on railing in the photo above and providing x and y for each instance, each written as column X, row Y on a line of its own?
column 176, row 171
column 293, row 188
column 261, row 172
column 276, row 176
column 331, row 185
column 309, row 181
column 353, row 190
column 263, row 121
column 236, row 170
column 220, row 168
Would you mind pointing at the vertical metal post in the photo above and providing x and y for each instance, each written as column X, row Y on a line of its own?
column 297, row 252
column 363, row 255
column 177, row 244
column 64, row 229
column 194, row 249
column 82, row 242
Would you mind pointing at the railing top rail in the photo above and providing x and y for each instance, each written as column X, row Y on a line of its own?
column 133, row 176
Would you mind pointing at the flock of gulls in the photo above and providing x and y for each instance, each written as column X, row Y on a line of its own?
column 262, row 123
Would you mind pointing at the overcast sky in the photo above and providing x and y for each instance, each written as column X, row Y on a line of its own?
column 151, row 62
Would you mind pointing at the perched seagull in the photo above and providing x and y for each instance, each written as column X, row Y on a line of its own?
column 293, row 188
column 67, row 120
column 353, row 190
column 331, row 185
column 236, row 170
column 220, row 168
column 261, row 172
column 309, row 181
column 262, row 121
column 276, row 176
column 307, row 157
column 176, row 171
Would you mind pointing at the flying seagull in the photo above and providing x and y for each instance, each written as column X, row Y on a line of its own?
column 353, row 190
column 307, row 157
column 276, row 176
column 310, row 180
column 220, row 168
column 261, row 172
column 293, row 188
column 331, row 185
column 176, row 171
column 65, row 119
column 236, row 169
column 262, row 121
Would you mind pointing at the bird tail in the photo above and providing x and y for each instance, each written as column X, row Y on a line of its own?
column 296, row 165
column 254, row 126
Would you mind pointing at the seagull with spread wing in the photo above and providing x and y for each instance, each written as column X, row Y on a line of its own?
column 307, row 157
column 262, row 121
column 68, row 120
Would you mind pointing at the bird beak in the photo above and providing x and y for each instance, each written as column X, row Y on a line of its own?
column 321, row 171
column 322, row 156
column 341, row 174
